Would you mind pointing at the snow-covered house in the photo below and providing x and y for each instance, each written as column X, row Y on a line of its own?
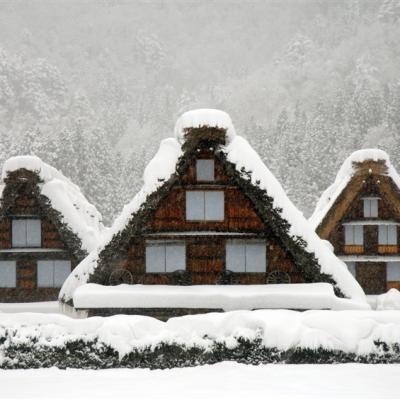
column 211, row 229
column 46, row 228
column 360, row 215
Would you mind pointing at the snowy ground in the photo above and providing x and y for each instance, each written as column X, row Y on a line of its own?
column 37, row 307
column 222, row 381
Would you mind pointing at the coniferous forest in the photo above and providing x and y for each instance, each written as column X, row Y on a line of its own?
column 93, row 89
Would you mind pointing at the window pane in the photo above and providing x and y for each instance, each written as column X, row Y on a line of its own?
column 367, row 207
column 374, row 208
column 8, row 274
column 349, row 234
column 256, row 257
column 155, row 258
column 195, row 205
column 62, row 268
column 383, row 234
column 392, row 234
column 351, row 266
column 393, row 271
column 19, row 233
column 235, row 256
column 45, row 273
column 214, row 206
column 175, row 257
column 205, row 170
column 33, row 233
column 358, row 235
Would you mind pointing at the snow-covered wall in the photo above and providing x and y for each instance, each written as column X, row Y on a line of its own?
column 65, row 197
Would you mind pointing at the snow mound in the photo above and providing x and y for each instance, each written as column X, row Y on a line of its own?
column 204, row 117
column 388, row 301
column 300, row 296
column 239, row 152
column 349, row 331
column 343, row 177
column 81, row 216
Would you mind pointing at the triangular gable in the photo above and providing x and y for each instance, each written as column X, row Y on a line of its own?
column 245, row 167
column 360, row 166
column 78, row 222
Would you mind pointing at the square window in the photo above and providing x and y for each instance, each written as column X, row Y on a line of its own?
column 205, row 170
column 8, row 274
column 387, row 235
column 26, row 233
column 205, row 205
column 163, row 257
column 370, row 207
column 52, row 273
column 354, row 235
column 246, row 256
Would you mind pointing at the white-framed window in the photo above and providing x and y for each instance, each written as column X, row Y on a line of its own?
column 8, row 274
column 205, row 170
column 370, row 207
column 351, row 266
column 354, row 235
column 246, row 256
column 393, row 271
column 26, row 233
column 205, row 205
column 387, row 235
column 52, row 273
column 165, row 256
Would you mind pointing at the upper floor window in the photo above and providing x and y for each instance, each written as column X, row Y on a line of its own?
column 205, row 205
column 387, row 235
column 393, row 271
column 246, row 256
column 370, row 207
column 205, row 170
column 165, row 256
column 26, row 233
column 354, row 235
column 8, row 274
column 52, row 273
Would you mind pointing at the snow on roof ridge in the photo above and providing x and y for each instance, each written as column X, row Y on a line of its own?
column 343, row 177
column 81, row 216
column 239, row 152
column 204, row 117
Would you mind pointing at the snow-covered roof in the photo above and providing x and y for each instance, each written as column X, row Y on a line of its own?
column 299, row 296
column 239, row 152
column 204, row 117
column 80, row 216
column 343, row 177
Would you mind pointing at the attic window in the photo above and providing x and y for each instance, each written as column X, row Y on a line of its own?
column 205, row 170
column 370, row 207
column 26, row 233
column 387, row 235
column 354, row 235
column 205, row 205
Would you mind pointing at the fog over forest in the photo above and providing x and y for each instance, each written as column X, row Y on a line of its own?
column 93, row 86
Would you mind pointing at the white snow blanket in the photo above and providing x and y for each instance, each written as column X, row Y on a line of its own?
column 301, row 296
column 343, row 177
column 389, row 300
column 349, row 331
column 81, row 216
column 239, row 152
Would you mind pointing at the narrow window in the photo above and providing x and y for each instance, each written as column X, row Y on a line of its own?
column 351, row 266
column 370, row 207
column 205, row 170
column 246, row 256
column 393, row 271
column 205, row 205
column 354, row 235
column 163, row 257
column 52, row 273
column 387, row 235
column 8, row 274
column 26, row 233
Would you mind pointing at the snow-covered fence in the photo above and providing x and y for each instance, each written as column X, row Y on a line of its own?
column 29, row 340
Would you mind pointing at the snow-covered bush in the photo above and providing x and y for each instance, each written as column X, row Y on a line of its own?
column 252, row 337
